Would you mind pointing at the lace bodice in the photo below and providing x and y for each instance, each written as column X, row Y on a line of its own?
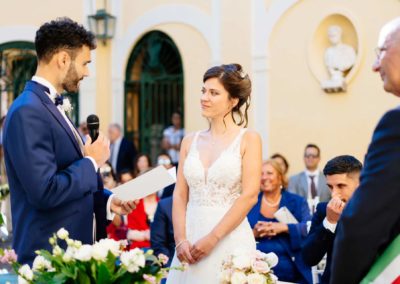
column 220, row 185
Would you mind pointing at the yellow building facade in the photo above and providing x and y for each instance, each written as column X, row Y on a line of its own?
column 280, row 43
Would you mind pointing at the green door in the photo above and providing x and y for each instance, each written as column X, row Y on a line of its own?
column 153, row 90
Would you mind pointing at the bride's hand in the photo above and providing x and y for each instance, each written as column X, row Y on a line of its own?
column 183, row 253
column 203, row 247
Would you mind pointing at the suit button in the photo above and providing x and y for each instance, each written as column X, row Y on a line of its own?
column 293, row 258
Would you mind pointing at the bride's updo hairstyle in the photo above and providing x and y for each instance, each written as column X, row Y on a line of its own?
column 238, row 85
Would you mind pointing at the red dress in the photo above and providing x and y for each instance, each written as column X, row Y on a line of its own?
column 138, row 220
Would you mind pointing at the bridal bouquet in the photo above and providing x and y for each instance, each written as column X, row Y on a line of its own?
column 244, row 267
column 103, row 262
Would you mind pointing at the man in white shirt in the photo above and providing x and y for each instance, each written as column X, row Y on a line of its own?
column 311, row 183
column 342, row 177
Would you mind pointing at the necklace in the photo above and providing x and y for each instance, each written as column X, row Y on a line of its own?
column 272, row 204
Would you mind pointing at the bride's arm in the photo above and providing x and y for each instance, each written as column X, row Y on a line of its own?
column 180, row 200
column 251, row 175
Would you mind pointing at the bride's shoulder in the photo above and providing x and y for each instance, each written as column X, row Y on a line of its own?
column 251, row 135
column 188, row 139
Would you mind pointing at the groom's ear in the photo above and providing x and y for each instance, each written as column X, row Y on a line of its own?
column 63, row 59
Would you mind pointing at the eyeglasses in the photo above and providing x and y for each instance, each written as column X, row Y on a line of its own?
column 311, row 156
column 379, row 51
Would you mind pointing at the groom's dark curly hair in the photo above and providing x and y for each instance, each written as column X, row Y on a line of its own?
column 62, row 34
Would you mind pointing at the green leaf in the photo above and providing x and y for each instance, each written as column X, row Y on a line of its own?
column 83, row 278
column 110, row 262
column 104, row 276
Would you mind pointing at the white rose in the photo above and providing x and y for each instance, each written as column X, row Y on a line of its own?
column 22, row 280
column 272, row 259
column 40, row 263
column 62, row 234
column 255, row 278
column 84, row 253
column 260, row 266
column 57, row 251
column 110, row 245
column 238, row 278
column 69, row 254
column 26, row 272
column 77, row 244
column 99, row 252
column 273, row 278
column 132, row 260
column 241, row 261
column 225, row 276
column 70, row 242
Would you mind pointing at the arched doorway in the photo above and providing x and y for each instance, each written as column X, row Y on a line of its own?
column 153, row 90
column 17, row 65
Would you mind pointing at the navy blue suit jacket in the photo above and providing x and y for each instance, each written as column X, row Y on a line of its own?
column 319, row 242
column 371, row 219
column 52, row 185
column 126, row 156
column 162, row 232
column 298, row 206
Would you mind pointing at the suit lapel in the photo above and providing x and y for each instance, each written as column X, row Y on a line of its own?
column 40, row 90
column 304, row 184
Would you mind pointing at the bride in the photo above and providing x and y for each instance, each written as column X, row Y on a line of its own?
column 218, row 180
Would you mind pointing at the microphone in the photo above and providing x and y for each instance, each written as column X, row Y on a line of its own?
column 93, row 126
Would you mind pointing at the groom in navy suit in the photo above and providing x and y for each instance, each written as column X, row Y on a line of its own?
column 52, row 175
column 371, row 220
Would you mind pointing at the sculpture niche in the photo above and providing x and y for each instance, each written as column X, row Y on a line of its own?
column 339, row 58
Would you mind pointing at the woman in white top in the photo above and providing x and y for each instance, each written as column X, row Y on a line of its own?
column 218, row 180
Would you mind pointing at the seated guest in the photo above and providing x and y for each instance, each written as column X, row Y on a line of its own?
column 125, row 175
column 142, row 164
column 108, row 176
column 282, row 162
column 117, row 229
column 162, row 232
column 342, row 176
column 139, row 221
column 274, row 236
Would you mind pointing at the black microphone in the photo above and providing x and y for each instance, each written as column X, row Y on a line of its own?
column 93, row 126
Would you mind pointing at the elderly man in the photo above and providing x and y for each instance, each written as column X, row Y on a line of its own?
column 371, row 220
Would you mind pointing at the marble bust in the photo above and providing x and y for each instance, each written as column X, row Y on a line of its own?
column 339, row 58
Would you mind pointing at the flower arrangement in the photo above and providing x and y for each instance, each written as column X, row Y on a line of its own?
column 243, row 267
column 103, row 262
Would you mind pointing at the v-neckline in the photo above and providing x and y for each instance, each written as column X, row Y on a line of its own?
column 206, row 170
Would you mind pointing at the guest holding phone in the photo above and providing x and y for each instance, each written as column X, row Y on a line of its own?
column 274, row 236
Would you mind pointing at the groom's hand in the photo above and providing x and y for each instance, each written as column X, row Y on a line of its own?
column 99, row 150
column 203, row 247
column 122, row 207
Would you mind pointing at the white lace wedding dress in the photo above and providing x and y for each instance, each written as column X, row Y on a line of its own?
column 211, row 194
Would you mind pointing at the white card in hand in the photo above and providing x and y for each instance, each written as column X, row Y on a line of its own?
column 144, row 185
column 283, row 215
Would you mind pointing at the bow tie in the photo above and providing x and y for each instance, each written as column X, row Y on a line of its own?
column 58, row 100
